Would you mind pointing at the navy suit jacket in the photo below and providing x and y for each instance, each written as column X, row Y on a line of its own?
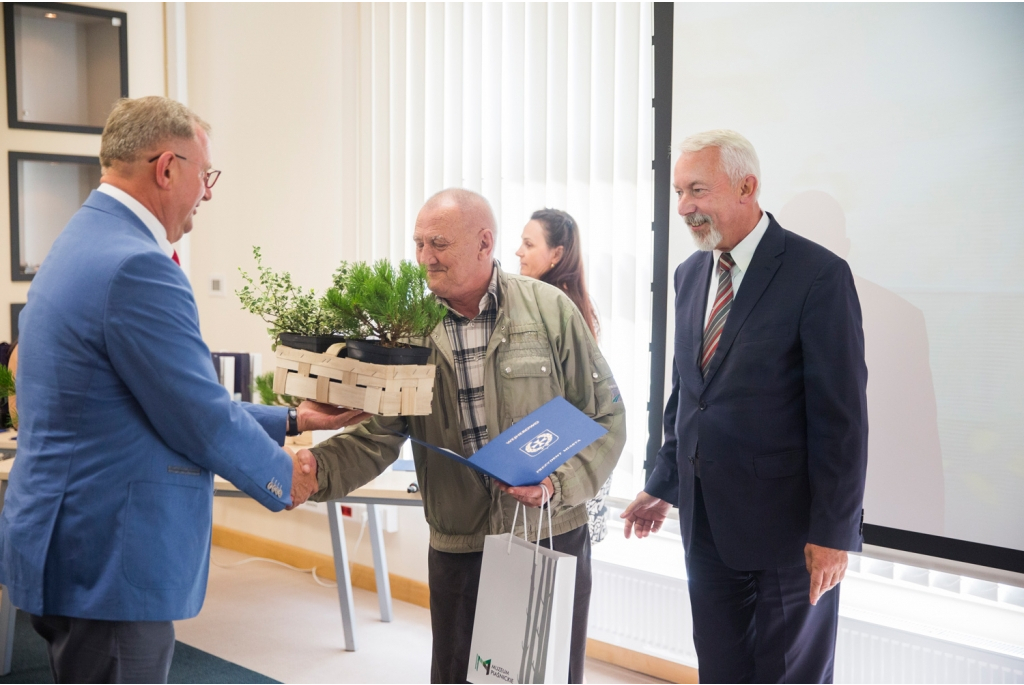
column 781, row 418
column 108, row 511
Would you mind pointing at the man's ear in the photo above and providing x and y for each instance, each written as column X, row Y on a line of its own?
column 162, row 172
column 486, row 243
column 748, row 189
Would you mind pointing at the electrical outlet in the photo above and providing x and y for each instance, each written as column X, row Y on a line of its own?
column 350, row 512
column 218, row 287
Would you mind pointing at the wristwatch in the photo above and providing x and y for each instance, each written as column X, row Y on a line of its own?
column 293, row 422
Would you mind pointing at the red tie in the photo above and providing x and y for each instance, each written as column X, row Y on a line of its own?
column 174, row 256
column 723, row 303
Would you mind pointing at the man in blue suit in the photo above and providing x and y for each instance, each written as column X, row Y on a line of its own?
column 105, row 532
column 765, row 447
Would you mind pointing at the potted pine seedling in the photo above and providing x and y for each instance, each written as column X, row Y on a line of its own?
column 380, row 307
column 297, row 317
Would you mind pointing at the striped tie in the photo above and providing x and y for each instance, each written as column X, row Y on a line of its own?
column 723, row 303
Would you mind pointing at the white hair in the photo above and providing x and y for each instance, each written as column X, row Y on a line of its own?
column 738, row 157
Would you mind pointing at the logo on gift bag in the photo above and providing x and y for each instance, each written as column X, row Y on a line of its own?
column 486, row 664
column 539, row 443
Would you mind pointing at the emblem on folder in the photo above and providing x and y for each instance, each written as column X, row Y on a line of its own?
column 539, row 443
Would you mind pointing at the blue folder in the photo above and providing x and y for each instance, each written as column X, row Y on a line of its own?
column 534, row 446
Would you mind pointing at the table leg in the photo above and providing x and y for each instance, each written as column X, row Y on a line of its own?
column 380, row 562
column 343, row 575
column 7, row 615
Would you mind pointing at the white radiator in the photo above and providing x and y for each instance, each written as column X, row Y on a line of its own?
column 641, row 611
column 871, row 653
column 650, row 613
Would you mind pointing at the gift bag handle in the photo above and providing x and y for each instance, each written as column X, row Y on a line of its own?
column 545, row 503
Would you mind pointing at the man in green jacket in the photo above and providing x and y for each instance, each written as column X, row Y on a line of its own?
column 507, row 346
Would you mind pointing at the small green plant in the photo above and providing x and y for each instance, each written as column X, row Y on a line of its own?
column 265, row 388
column 6, row 390
column 384, row 303
column 282, row 304
column 6, row 382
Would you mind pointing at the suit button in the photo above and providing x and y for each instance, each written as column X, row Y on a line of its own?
column 702, row 405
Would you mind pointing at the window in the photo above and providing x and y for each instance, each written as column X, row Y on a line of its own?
column 532, row 105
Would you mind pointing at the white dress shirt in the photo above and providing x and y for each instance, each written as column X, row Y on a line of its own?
column 145, row 216
column 741, row 254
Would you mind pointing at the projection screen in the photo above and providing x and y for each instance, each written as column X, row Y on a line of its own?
column 894, row 135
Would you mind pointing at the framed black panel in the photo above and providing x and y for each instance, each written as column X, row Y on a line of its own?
column 663, row 43
column 61, row 199
column 15, row 312
column 105, row 37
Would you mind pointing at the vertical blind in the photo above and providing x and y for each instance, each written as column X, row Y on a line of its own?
column 532, row 105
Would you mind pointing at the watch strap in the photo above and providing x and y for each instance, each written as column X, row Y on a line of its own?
column 293, row 422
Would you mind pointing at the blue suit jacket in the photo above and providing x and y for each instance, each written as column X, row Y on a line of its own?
column 122, row 424
column 781, row 418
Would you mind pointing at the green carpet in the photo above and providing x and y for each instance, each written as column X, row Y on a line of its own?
column 190, row 665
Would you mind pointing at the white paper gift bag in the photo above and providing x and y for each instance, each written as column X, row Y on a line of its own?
column 523, row 624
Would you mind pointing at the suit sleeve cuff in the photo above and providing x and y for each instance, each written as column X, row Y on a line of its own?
column 273, row 420
column 664, row 485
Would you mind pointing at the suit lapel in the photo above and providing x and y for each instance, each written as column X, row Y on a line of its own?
column 765, row 263
column 699, row 303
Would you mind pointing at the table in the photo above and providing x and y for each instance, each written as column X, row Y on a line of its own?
column 390, row 488
column 8, row 443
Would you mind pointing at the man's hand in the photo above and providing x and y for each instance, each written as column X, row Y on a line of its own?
column 645, row 514
column 530, row 495
column 304, row 481
column 315, row 416
column 827, row 567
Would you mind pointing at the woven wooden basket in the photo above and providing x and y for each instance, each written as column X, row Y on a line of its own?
column 375, row 388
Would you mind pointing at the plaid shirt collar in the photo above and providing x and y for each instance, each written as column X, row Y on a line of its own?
column 469, row 339
column 488, row 301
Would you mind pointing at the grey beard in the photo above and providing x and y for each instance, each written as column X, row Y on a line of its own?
column 710, row 238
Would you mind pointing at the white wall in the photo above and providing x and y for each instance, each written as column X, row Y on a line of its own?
column 280, row 85
column 276, row 83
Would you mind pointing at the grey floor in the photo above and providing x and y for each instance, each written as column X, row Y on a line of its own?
column 280, row 623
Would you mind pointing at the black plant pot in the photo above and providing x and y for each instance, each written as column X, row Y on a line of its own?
column 313, row 343
column 370, row 352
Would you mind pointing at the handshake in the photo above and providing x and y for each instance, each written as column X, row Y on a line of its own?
column 316, row 416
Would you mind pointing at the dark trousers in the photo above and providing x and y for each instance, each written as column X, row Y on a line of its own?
column 83, row 650
column 454, row 579
column 756, row 626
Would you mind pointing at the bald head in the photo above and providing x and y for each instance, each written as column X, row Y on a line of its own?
column 455, row 235
column 473, row 208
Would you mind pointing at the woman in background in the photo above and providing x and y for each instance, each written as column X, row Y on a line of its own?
column 550, row 252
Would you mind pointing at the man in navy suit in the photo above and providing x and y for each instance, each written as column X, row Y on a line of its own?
column 765, row 447
column 105, row 531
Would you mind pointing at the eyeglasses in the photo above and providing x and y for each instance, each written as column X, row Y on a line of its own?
column 209, row 177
